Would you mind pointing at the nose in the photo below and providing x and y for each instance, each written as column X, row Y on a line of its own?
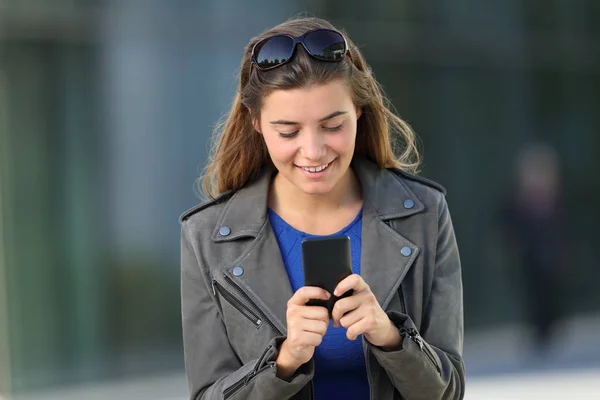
column 313, row 146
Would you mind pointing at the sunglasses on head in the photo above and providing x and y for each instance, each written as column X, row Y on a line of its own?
column 322, row 44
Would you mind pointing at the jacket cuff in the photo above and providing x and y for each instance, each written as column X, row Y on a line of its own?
column 270, row 385
column 305, row 371
column 262, row 381
column 413, row 348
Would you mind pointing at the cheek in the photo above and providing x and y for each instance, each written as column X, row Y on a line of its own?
column 345, row 141
column 279, row 150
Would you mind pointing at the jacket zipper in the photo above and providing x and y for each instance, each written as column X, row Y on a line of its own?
column 238, row 305
column 255, row 315
column 256, row 319
column 231, row 390
column 414, row 335
column 260, row 314
column 227, row 393
column 401, row 295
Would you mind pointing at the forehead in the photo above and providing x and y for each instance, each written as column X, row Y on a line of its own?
column 305, row 104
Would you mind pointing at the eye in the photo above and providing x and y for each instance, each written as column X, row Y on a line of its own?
column 334, row 128
column 288, row 135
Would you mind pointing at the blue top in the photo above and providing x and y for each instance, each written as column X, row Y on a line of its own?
column 340, row 371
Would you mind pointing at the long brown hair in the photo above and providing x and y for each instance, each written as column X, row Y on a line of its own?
column 238, row 151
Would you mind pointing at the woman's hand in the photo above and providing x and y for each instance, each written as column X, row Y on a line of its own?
column 362, row 314
column 306, row 326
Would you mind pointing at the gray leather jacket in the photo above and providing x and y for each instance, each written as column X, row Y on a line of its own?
column 235, row 291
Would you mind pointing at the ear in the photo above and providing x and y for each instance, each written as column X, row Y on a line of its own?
column 255, row 123
column 358, row 112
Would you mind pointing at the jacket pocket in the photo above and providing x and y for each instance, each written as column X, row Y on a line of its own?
column 245, row 310
column 245, row 306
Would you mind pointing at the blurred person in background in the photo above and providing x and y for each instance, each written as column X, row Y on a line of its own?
column 306, row 152
column 534, row 223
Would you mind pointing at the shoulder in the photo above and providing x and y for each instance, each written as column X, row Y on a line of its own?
column 415, row 180
column 204, row 209
column 429, row 192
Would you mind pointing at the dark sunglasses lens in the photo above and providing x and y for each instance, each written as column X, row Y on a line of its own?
column 327, row 45
column 273, row 51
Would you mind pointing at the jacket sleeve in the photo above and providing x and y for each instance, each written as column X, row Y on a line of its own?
column 429, row 364
column 213, row 369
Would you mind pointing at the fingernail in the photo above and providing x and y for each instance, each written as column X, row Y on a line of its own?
column 335, row 293
column 327, row 294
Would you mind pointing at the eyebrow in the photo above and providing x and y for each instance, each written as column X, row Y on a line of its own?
column 284, row 122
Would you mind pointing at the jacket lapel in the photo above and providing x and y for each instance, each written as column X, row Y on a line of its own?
column 264, row 279
column 383, row 265
column 386, row 254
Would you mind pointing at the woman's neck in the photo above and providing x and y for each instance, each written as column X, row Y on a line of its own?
column 285, row 197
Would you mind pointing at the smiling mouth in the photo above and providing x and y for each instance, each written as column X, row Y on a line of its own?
column 317, row 169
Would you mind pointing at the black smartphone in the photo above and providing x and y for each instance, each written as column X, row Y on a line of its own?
column 326, row 262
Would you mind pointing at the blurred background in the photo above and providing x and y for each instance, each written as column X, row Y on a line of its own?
column 106, row 109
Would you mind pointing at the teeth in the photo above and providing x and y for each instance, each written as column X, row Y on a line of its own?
column 315, row 169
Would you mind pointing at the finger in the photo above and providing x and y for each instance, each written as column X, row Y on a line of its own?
column 309, row 325
column 353, row 281
column 305, row 339
column 313, row 313
column 306, row 293
column 343, row 306
column 351, row 318
column 313, row 339
column 358, row 328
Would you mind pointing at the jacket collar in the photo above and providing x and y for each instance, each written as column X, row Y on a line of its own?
column 383, row 191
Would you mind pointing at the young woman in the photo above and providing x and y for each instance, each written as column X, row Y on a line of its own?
column 306, row 152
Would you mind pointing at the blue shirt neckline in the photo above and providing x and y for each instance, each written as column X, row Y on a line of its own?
column 345, row 229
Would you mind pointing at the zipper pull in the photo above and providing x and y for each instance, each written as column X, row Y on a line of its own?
column 249, row 376
column 212, row 282
column 414, row 335
column 419, row 341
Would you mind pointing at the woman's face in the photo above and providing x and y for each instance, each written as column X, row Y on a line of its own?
column 310, row 134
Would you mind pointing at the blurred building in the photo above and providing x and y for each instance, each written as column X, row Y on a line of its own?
column 106, row 109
